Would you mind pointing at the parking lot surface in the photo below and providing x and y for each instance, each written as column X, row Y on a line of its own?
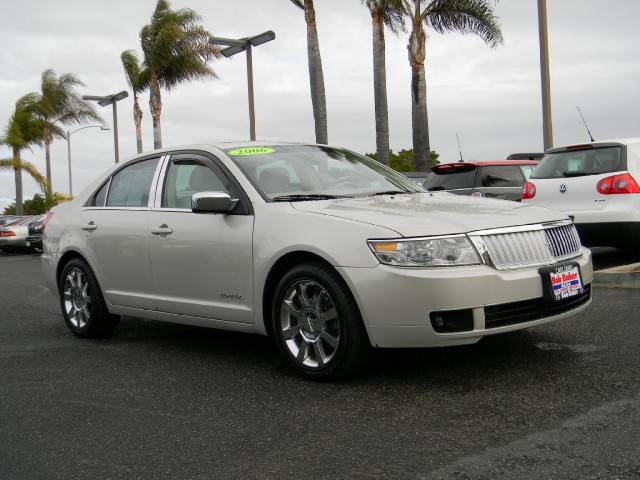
column 168, row 401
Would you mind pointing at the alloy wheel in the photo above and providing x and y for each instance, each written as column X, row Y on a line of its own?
column 77, row 298
column 310, row 324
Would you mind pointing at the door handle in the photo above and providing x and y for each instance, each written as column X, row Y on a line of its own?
column 162, row 230
column 89, row 226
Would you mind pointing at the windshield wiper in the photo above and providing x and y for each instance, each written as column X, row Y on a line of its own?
column 436, row 188
column 305, row 197
column 390, row 192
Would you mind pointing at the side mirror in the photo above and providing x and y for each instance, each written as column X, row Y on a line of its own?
column 212, row 202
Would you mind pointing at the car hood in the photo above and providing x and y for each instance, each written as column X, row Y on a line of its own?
column 422, row 214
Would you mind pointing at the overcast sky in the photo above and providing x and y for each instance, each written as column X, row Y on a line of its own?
column 490, row 97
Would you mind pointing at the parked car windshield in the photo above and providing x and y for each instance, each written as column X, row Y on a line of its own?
column 579, row 163
column 306, row 172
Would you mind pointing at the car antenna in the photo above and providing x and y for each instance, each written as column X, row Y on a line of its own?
column 585, row 123
column 459, row 148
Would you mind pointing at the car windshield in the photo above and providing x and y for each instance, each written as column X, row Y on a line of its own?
column 579, row 163
column 306, row 172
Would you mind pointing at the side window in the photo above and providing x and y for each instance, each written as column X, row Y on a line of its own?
column 186, row 177
column 130, row 186
column 527, row 170
column 501, row 176
column 100, row 197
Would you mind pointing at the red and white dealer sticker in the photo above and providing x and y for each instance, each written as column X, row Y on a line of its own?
column 566, row 282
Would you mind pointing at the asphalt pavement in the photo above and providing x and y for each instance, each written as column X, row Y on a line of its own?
column 159, row 401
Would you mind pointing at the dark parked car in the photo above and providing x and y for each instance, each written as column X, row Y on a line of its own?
column 502, row 179
column 526, row 156
column 34, row 238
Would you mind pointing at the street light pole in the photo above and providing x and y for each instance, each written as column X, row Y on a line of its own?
column 68, row 138
column 545, row 83
column 105, row 100
column 252, row 108
column 235, row 46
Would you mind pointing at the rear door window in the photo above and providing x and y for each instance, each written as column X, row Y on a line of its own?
column 500, row 176
column 580, row 163
column 130, row 186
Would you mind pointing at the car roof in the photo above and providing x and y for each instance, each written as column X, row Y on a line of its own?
column 466, row 166
column 623, row 141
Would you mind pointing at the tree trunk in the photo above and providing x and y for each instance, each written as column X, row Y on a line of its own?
column 380, row 87
column 155, row 105
column 316, row 77
column 18, row 178
column 47, row 156
column 137, row 119
column 420, row 122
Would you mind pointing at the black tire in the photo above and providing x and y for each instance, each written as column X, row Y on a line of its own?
column 353, row 346
column 99, row 322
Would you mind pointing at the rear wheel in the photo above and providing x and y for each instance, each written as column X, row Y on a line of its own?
column 83, row 306
column 316, row 323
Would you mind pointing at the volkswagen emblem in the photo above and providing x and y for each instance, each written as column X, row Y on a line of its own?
column 563, row 188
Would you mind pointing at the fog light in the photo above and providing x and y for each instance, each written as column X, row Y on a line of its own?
column 452, row 321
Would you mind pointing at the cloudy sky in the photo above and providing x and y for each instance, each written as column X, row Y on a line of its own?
column 490, row 97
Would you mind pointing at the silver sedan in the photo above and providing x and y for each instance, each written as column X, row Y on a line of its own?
column 326, row 251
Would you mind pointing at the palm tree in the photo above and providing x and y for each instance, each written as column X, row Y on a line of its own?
column 464, row 16
column 138, row 80
column 316, row 77
column 176, row 49
column 389, row 13
column 57, row 104
column 22, row 131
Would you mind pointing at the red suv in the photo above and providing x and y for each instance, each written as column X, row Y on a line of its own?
column 501, row 179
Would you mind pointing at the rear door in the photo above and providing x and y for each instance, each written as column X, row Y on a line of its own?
column 566, row 179
column 503, row 182
column 115, row 227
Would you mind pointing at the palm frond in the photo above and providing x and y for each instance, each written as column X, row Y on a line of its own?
column 464, row 16
column 298, row 3
column 391, row 11
column 15, row 164
column 137, row 77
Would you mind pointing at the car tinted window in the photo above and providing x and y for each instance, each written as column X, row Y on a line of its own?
column 100, row 196
column 501, row 176
column 186, row 177
column 578, row 163
column 451, row 181
column 130, row 186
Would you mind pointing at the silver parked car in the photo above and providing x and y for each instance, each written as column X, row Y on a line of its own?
column 13, row 235
column 326, row 251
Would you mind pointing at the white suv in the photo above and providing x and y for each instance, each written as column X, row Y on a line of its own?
column 596, row 184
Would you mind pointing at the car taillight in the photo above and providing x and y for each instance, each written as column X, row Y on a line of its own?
column 528, row 191
column 618, row 185
column 7, row 233
column 47, row 218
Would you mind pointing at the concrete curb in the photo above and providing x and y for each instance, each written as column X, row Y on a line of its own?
column 625, row 276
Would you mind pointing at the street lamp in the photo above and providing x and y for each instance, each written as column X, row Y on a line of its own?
column 110, row 100
column 235, row 46
column 68, row 138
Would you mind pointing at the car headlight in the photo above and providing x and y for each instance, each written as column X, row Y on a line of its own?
column 426, row 252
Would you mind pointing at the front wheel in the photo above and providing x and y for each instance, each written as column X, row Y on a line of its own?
column 316, row 323
column 83, row 306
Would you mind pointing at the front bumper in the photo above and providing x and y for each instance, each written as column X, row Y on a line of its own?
column 396, row 302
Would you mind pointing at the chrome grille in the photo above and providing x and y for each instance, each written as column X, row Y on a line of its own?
column 529, row 246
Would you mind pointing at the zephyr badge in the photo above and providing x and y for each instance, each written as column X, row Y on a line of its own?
column 563, row 188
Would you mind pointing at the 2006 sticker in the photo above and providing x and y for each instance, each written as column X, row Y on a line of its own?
column 251, row 151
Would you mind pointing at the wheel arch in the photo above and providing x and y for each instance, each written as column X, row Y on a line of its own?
column 283, row 265
column 69, row 255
